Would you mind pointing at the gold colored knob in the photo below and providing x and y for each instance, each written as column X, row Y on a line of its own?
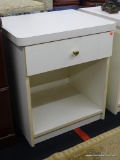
column 75, row 52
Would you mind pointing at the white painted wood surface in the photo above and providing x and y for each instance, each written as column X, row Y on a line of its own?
column 113, row 94
column 91, row 81
column 39, row 58
column 21, row 108
column 82, row 95
column 67, row 128
column 98, row 12
column 53, row 110
column 114, row 76
column 51, row 26
column 67, row 107
column 60, row 107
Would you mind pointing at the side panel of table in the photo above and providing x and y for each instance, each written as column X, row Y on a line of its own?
column 113, row 94
column 22, row 113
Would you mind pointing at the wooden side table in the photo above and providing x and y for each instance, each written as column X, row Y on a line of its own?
column 113, row 94
column 60, row 70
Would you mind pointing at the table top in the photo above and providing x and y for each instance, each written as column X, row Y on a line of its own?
column 24, row 30
column 98, row 11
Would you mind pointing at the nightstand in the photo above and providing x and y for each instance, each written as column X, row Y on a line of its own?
column 60, row 70
column 113, row 94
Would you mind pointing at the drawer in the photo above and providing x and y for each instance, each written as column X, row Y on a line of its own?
column 59, row 54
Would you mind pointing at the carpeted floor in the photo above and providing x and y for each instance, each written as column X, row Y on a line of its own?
column 104, row 146
column 22, row 150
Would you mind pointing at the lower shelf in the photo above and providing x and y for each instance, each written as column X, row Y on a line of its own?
column 60, row 107
column 66, row 128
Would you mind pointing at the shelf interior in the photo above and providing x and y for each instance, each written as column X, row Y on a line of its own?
column 58, row 107
column 66, row 96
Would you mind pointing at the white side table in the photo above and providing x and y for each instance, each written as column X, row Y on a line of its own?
column 59, row 68
column 113, row 94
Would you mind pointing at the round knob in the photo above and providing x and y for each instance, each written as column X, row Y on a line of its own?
column 75, row 52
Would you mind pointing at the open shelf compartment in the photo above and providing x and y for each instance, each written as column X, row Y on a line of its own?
column 62, row 110
column 63, row 97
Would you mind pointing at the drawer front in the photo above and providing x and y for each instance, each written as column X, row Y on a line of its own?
column 3, row 81
column 54, row 55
